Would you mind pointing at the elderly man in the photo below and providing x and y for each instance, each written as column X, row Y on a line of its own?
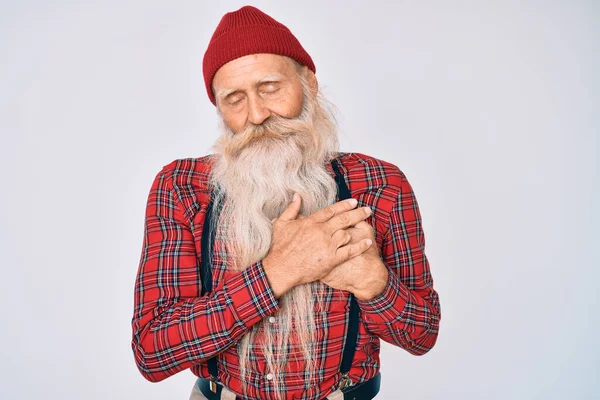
column 273, row 267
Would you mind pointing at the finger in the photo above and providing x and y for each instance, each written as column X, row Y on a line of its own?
column 341, row 238
column 365, row 229
column 347, row 219
column 292, row 209
column 326, row 213
column 356, row 234
column 363, row 225
column 352, row 250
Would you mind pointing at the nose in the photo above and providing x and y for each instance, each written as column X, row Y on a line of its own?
column 257, row 112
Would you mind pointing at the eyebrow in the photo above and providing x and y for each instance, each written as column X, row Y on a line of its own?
column 222, row 93
column 273, row 77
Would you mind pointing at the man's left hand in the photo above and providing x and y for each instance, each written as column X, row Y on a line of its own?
column 364, row 275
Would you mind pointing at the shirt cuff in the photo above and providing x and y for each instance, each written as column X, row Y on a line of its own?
column 388, row 306
column 251, row 294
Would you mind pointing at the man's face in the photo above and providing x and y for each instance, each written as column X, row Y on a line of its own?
column 252, row 88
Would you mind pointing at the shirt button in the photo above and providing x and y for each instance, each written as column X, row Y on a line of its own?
column 272, row 320
column 269, row 376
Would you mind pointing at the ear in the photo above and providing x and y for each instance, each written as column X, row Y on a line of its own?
column 312, row 81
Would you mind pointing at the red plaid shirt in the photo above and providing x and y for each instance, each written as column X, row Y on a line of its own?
column 174, row 328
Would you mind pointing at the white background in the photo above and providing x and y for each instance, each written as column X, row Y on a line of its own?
column 490, row 108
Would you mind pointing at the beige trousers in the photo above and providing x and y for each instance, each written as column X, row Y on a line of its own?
column 196, row 394
column 227, row 394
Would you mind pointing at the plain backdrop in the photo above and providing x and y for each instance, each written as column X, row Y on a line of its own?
column 490, row 108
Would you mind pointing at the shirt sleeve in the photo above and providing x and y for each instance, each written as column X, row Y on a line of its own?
column 407, row 313
column 173, row 327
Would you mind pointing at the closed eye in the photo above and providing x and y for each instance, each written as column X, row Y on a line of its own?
column 270, row 87
column 271, row 91
column 235, row 100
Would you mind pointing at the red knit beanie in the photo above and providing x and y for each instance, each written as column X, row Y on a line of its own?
column 249, row 31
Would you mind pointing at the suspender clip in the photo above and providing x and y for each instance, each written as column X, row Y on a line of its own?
column 345, row 381
column 213, row 385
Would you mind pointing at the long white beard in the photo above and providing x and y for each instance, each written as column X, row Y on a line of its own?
column 254, row 176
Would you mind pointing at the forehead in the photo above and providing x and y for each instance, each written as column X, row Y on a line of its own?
column 248, row 70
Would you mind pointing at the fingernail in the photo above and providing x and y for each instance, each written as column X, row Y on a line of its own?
column 295, row 197
column 369, row 241
column 368, row 210
column 353, row 202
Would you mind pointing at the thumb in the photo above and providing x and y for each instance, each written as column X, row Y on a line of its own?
column 292, row 209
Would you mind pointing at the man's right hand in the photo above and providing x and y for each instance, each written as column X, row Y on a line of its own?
column 306, row 249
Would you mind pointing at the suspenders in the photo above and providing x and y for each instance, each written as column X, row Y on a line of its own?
column 206, row 277
column 352, row 334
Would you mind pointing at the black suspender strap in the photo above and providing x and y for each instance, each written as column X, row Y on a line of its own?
column 206, row 278
column 352, row 334
column 206, row 268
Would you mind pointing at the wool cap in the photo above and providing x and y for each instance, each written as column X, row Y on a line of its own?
column 249, row 31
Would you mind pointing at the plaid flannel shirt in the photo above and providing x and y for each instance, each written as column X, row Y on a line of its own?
column 174, row 328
